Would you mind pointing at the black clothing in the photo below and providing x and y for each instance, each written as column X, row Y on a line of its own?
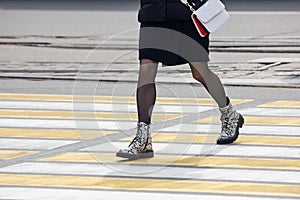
column 170, row 15
column 179, row 43
column 162, row 10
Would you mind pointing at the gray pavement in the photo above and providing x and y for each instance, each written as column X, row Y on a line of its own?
column 238, row 61
column 59, row 41
column 57, row 145
column 60, row 147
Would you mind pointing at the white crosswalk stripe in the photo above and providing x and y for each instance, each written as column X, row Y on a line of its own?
column 33, row 144
column 67, row 124
column 54, row 194
column 247, row 129
column 210, row 149
column 111, row 107
column 275, row 112
column 263, row 164
column 166, row 172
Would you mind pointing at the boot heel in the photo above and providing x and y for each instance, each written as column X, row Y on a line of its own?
column 241, row 121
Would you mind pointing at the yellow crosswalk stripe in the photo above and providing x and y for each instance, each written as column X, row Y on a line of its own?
column 157, row 137
column 269, row 140
column 81, row 181
column 9, row 154
column 257, row 120
column 45, row 114
column 195, row 101
column 282, row 104
column 34, row 97
column 110, row 99
column 139, row 184
column 52, row 133
column 243, row 139
column 192, row 161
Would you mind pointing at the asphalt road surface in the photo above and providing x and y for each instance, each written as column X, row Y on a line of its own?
column 105, row 18
column 57, row 144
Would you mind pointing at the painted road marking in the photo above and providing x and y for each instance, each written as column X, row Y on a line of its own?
column 33, row 144
column 139, row 184
column 163, row 172
column 207, row 149
column 129, row 126
column 52, row 133
column 181, row 160
column 42, row 114
column 258, row 120
column 66, row 124
column 109, row 99
column 282, row 104
column 197, row 138
column 247, row 129
column 99, row 107
column 10, row 154
column 274, row 112
column 25, row 193
column 263, row 162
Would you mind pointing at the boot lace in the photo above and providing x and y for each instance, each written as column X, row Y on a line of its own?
column 227, row 127
column 229, row 123
column 139, row 143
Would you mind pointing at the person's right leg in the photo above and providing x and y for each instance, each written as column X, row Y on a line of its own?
column 146, row 91
column 141, row 146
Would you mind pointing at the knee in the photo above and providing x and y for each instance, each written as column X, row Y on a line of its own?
column 148, row 65
column 147, row 62
column 198, row 77
column 147, row 72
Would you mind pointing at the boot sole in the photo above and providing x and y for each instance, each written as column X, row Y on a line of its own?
column 231, row 140
column 148, row 154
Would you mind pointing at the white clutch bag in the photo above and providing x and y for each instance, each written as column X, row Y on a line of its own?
column 211, row 15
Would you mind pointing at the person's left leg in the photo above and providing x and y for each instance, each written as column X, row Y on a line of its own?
column 230, row 118
column 210, row 81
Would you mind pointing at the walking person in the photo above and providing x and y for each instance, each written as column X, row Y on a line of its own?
column 174, row 15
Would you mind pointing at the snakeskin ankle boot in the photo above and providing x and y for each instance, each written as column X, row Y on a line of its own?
column 141, row 145
column 231, row 122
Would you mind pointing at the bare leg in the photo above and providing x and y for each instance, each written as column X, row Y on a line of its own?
column 211, row 82
column 146, row 91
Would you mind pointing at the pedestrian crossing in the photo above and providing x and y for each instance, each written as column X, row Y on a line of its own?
column 63, row 146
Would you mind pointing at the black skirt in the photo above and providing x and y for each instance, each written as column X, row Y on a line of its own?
column 172, row 42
